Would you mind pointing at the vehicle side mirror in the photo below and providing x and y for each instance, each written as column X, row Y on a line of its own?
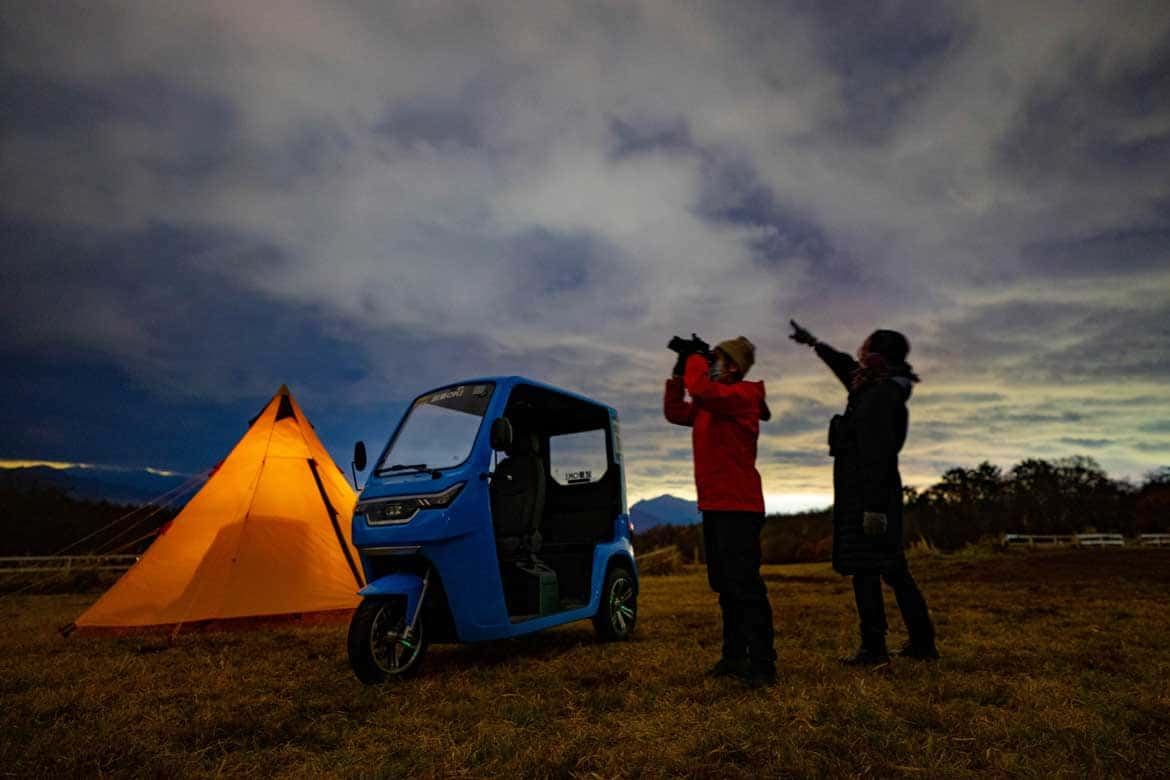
column 501, row 434
column 359, row 456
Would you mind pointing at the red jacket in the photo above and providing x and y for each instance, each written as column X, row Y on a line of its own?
column 725, row 419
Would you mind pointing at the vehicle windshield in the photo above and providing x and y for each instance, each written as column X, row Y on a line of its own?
column 439, row 430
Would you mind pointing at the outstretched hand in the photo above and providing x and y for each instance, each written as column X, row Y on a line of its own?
column 800, row 335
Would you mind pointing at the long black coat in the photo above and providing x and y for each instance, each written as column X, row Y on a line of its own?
column 865, row 442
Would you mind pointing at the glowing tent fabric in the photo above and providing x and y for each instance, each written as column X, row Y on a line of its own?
column 267, row 535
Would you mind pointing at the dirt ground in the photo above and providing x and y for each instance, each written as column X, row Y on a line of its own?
column 1054, row 663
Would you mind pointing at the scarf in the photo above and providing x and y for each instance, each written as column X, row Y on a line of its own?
column 875, row 368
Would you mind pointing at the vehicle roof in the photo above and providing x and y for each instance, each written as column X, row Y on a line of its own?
column 509, row 382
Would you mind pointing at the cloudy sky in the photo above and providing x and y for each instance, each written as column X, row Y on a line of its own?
column 201, row 201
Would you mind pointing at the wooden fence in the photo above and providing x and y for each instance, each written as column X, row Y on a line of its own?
column 1083, row 540
column 1100, row 540
column 1039, row 540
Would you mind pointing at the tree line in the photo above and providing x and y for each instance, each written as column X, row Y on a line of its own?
column 38, row 520
column 1069, row 495
column 1063, row 496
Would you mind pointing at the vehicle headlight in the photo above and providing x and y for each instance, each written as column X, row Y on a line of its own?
column 400, row 509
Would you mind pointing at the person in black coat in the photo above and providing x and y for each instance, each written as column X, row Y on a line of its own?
column 867, row 489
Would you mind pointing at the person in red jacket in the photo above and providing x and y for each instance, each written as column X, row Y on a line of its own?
column 724, row 413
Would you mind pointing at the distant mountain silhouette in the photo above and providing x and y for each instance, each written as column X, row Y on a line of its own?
column 117, row 486
column 664, row 510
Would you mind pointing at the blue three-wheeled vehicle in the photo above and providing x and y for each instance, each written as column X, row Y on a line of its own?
column 497, row 509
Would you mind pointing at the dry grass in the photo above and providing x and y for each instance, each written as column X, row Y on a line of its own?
column 1054, row 664
column 660, row 562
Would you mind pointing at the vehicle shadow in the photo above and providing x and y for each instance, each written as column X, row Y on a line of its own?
column 541, row 646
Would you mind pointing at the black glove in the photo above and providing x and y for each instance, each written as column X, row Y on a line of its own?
column 687, row 347
column 801, row 336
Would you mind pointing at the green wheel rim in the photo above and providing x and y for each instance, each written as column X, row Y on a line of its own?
column 622, row 605
column 390, row 646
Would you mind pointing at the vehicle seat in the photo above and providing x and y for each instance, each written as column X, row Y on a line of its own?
column 517, row 496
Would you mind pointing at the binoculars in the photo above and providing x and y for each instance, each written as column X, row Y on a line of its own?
column 687, row 347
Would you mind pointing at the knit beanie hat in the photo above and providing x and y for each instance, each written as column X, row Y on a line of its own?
column 739, row 349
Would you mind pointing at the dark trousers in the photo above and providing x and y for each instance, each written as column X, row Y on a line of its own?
column 871, row 609
column 732, row 544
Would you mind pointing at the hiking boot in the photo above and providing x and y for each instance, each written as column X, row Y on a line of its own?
column 725, row 667
column 919, row 652
column 866, row 656
column 756, row 677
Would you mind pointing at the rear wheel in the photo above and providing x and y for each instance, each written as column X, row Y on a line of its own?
column 380, row 648
column 618, row 612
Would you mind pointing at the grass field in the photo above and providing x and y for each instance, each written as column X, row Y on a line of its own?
column 1055, row 663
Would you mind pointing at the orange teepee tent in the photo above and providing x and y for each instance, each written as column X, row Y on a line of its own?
column 267, row 535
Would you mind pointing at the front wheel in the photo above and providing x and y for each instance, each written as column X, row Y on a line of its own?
column 380, row 647
column 618, row 611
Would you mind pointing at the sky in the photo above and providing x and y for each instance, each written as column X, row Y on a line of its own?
column 200, row 202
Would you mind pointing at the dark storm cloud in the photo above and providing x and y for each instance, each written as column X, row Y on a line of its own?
column 938, row 432
column 192, row 362
column 886, row 56
column 1000, row 334
column 1111, row 253
column 796, row 457
column 1111, row 344
column 1078, row 121
column 631, row 137
column 962, row 399
column 557, row 263
column 42, row 105
column 159, row 298
column 1123, row 402
column 1007, row 418
column 1157, row 426
column 434, row 124
column 37, row 105
column 203, row 128
column 734, row 193
column 794, row 415
column 664, row 472
column 1092, row 444
column 1027, row 341
column 203, row 201
column 83, row 409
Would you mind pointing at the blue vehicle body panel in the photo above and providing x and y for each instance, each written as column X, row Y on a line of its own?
column 400, row 584
column 459, row 541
